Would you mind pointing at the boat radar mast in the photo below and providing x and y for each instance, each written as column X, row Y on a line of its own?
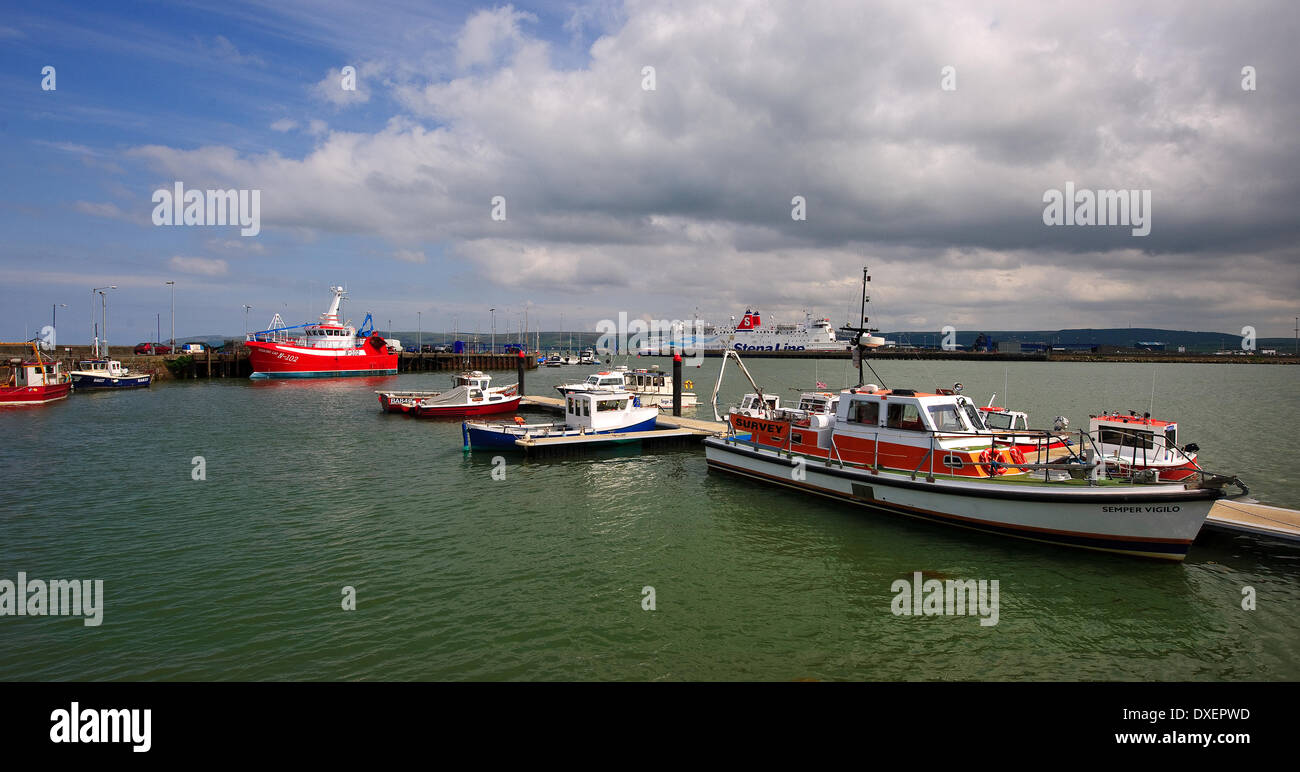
column 862, row 333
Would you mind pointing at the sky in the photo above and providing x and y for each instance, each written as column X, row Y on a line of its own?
column 921, row 139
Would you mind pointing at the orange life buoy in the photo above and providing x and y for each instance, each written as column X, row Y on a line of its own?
column 1016, row 456
column 991, row 467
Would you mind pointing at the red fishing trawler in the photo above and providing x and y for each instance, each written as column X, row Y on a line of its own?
column 327, row 349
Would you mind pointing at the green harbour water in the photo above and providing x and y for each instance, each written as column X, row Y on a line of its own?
column 310, row 488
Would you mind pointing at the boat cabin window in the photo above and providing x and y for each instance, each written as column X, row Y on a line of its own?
column 973, row 416
column 997, row 420
column 1127, row 438
column 569, row 408
column 1171, row 436
column 905, row 416
column 609, row 404
column 945, row 418
column 864, row 411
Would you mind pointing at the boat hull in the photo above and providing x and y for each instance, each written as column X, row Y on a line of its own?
column 276, row 360
column 1155, row 522
column 33, row 395
column 503, row 436
column 85, row 381
column 507, row 405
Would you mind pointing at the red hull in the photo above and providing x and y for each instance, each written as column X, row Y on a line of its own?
column 461, row 411
column 33, row 395
column 282, row 360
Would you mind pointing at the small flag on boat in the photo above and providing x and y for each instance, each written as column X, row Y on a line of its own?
column 821, row 385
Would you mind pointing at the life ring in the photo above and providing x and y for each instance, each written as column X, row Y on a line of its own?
column 689, row 384
column 990, row 463
column 519, row 421
column 1016, row 456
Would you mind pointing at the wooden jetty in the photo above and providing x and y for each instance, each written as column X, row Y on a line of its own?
column 1255, row 519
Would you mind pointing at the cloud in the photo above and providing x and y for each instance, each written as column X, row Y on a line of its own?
column 222, row 49
column 759, row 101
column 104, row 209
column 201, row 266
column 284, row 124
column 410, row 256
column 331, row 87
column 490, row 34
column 109, row 210
column 236, row 245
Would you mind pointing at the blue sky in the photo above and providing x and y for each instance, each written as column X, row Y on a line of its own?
column 652, row 202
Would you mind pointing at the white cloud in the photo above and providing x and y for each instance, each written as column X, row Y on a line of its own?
column 222, row 49
column 201, row 266
column 760, row 100
column 331, row 89
column 284, row 124
column 490, row 34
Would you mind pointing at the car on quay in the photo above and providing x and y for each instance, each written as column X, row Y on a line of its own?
column 153, row 348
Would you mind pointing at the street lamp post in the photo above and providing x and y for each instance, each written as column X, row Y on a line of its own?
column 173, row 338
column 418, row 332
column 247, row 308
column 103, row 297
column 494, row 329
column 54, row 320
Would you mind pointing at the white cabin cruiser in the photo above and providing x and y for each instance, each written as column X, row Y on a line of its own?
column 585, row 412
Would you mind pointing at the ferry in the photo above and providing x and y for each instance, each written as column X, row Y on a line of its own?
column 326, row 349
column 35, row 381
column 107, row 374
column 585, row 413
column 749, row 336
column 471, row 394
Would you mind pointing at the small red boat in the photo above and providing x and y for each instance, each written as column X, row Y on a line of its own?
column 470, row 395
column 327, row 349
column 1133, row 445
column 34, row 381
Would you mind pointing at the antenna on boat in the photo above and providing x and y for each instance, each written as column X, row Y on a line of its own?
column 1152, row 408
column 861, row 331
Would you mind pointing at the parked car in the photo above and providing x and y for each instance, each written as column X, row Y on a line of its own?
column 192, row 348
column 426, row 348
column 442, row 349
column 153, row 348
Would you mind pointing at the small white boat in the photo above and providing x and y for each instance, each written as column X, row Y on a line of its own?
column 653, row 386
column 585, row 412
column 470, row 394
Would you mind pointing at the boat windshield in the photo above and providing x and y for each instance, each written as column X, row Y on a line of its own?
column 945, row 418
column 973, row 416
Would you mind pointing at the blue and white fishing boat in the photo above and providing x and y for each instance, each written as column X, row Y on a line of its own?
column 585, row 413
column 107, row 374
